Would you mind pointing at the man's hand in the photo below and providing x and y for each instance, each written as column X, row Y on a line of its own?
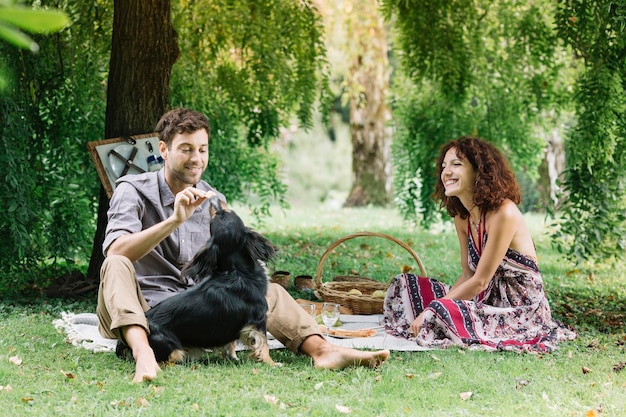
column 187, row 201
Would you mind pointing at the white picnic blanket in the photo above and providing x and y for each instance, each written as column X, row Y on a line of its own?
column 81, row 330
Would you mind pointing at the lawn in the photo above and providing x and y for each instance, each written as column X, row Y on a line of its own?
column 40, row 374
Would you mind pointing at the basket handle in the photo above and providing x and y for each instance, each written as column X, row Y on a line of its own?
column 320, row 266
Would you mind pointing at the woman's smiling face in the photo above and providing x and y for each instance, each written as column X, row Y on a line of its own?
column 458, row 176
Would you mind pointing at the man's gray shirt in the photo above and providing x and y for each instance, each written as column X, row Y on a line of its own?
column 141, row 201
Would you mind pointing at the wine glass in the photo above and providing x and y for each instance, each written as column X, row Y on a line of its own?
column 309, row 308
column 330, row 315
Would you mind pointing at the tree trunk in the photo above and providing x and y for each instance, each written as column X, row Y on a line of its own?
column 369, row 115
column 144, row 48
column 551, row 172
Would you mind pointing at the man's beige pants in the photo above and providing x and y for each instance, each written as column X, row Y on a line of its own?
column 121, row 303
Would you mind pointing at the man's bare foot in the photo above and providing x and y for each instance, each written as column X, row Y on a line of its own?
column 328, row 356
column 146, row 366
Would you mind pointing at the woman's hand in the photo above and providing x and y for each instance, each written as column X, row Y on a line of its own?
column 416, row 325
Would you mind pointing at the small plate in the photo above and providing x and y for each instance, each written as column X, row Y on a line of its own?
column 117, row 165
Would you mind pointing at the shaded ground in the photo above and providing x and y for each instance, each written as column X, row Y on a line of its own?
column 71, row 285
column 592, row 309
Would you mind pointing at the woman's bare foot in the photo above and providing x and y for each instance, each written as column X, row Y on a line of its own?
column 328, row 356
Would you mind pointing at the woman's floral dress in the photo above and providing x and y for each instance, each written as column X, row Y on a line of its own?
column 511, row 314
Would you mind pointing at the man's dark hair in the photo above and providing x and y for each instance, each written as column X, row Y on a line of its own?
column 179, row 121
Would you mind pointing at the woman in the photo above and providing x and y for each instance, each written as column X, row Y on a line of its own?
column 498, row 302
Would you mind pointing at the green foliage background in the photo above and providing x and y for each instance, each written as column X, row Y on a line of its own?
column 487, row 69
column 593, row 219
column 250, row 66
column 53, row 106
column 503, row 70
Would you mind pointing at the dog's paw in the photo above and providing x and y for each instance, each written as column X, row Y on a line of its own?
column 229, row 351
column 177, row 356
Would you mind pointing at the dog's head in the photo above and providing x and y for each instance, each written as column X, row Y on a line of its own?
column 232, row 245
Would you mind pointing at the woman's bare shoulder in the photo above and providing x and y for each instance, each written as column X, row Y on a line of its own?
column 508, row 211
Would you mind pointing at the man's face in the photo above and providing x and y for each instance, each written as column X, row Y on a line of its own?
column 185, row 159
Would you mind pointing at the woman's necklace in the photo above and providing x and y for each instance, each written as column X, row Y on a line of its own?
column 479, row 232
column 475, row 225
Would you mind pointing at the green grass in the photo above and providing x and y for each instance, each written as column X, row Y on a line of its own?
column 56, row 378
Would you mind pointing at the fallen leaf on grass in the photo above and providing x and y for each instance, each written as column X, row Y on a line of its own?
column 435, row 358
column 620, row 366
column 521, row 383
column 434, row 375
column 343, row 409
column 586, row 370
column 68, row 375
column 592, row 413
column 142, row 402
column 15, row 360
column 271, row 399
column 6, row 388
column 410, row 376
column 319, row 385
column 406, row 269
column 466, row 395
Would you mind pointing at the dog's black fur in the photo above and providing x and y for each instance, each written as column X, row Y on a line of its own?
column 227, row 303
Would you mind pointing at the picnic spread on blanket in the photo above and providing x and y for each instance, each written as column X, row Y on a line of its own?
column 361, row 320
column 81, row 330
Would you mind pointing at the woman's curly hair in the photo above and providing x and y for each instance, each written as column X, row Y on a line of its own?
column 495, row 181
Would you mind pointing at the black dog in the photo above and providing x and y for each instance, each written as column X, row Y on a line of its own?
column 227, row 303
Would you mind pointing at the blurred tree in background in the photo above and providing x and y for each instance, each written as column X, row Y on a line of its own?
column 357, row 32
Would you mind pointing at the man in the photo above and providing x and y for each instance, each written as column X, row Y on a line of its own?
column 156, row 223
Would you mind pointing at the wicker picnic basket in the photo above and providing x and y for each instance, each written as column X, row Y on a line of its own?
column 337, row 291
